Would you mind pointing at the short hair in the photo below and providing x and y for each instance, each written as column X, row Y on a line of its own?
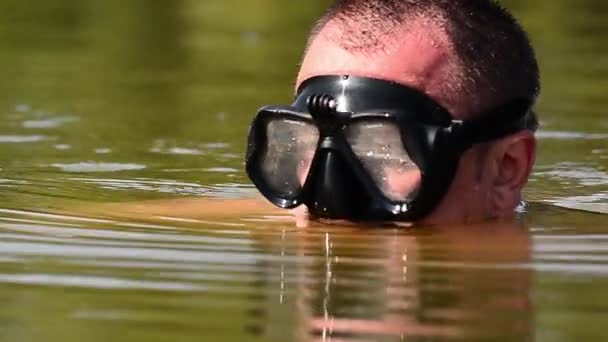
column 495, row 60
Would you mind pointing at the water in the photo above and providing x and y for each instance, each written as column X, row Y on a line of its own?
column 133, row 102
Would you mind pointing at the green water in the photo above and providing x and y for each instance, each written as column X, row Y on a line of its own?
column 109, row 101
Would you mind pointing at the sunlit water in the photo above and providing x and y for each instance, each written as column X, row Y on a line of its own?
column 123, row 102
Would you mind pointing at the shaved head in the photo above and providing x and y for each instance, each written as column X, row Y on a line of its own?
column 469, row 55
column 418, row 55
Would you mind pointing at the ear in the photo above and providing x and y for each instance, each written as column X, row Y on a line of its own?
column 514, row 158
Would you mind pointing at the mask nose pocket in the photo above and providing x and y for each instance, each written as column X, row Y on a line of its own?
column 337, row 192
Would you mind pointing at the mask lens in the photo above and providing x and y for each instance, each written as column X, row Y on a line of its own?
column 291, row 145
column 378, row 145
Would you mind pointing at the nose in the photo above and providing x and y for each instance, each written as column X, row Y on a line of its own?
column 337, row 194
column 400, row 184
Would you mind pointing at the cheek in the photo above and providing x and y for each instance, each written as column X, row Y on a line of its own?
column 464, row 200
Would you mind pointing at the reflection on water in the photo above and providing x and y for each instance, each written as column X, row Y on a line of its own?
column 422, row 286
column 141, row 100
column 68, row 276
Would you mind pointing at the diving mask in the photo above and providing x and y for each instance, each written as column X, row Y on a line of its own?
column 365, row 149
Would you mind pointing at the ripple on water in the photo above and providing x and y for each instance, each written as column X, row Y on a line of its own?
column 215, row 145
column 23, row 108
column 221, row 170
column 164, row 147
column 570, row 135
column 22, row 138
column 142, row 184
column 52, row 122
column 98, row 167
column 95, row 282
column 573, row 177
column 103, row 150
column 597, row 202
column 10, row 183
column 177, row 151
column 584, row 175
column 327, row 282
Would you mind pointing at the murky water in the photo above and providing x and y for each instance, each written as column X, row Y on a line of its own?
column 145, row 100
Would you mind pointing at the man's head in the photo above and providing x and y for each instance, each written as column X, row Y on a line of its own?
column 468, row 55
column 401, row 133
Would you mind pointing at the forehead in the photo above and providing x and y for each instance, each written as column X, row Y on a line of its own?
column 418, row 56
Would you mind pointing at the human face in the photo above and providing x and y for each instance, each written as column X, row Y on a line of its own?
column 421, row 59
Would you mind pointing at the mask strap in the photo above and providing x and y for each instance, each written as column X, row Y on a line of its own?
column 497, row 123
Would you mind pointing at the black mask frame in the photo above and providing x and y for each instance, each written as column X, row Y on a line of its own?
column 434, row 141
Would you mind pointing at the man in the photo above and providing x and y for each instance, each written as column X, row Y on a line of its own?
column 405, row 110
column 364, row 140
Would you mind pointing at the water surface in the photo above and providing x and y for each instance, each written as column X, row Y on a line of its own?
column 147, row 100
